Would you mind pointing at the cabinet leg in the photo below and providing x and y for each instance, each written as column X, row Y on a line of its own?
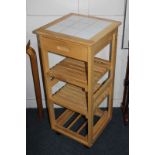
column 110, row 104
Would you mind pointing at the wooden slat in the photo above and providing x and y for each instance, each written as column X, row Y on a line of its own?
column 82, row 127
column 52, row 82
column 76, row 95
column 69, row 73
column 99, row 112
column 101, row 94
column 101, row 98
column 74, row 121
column 64, row 117
column 101, row 89
column 97, row 86
column 103, row 62
column 71, row 134
column 74, row 71
column 69, row 105
column 71, row 97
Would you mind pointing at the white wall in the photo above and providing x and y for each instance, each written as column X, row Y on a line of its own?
column 40, row 12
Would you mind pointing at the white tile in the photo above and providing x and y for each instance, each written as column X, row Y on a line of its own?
column 100, row 26
column 102, row 23
column 117, row 18
column 55, row 28
column 66, row 23
column 87, row 20
column 86, row 34
column 69, row 31
column 78, row 26
column 83, row 34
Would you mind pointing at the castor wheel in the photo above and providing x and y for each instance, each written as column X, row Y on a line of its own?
column 86, row 147
column 57, row 133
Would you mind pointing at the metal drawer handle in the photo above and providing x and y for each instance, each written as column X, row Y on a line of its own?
column 62, row 48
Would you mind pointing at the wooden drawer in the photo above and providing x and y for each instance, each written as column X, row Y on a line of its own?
column 65, row 48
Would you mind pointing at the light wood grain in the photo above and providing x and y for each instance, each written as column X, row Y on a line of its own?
column 63, row 118
column 82, row 93
column 45, row 64
column 72, row 134
column 99, row 112
column 100, row 125
column 64, row 48
column 74, row 72
column 90, row 95
column 82, row 127
column 74, row 121
column 112, row 72
column 71, row 98
column 34, row 65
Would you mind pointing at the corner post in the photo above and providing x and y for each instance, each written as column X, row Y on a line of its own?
column 112, row 71
column 45, row 67
column 90, row 95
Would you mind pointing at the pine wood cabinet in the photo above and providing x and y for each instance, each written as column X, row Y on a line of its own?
column 79, row 38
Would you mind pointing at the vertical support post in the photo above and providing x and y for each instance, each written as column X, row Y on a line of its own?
column 45, row 67
column 90, row 95
column 112, row 71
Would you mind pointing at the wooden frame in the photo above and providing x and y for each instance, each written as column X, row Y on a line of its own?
column 81, row 94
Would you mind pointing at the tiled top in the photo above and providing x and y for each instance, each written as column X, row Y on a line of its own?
column 79, row 26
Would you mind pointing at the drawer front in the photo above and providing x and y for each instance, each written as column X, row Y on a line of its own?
column 65, row 48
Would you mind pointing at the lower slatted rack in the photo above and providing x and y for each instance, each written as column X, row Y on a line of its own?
column 74, row 125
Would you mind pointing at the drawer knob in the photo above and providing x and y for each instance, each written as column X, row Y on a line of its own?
column 62, row 48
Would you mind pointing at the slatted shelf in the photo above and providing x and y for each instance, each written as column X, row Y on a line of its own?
column 74, row 98
column 67, row 116
column 71, row 97
column 75, row 72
